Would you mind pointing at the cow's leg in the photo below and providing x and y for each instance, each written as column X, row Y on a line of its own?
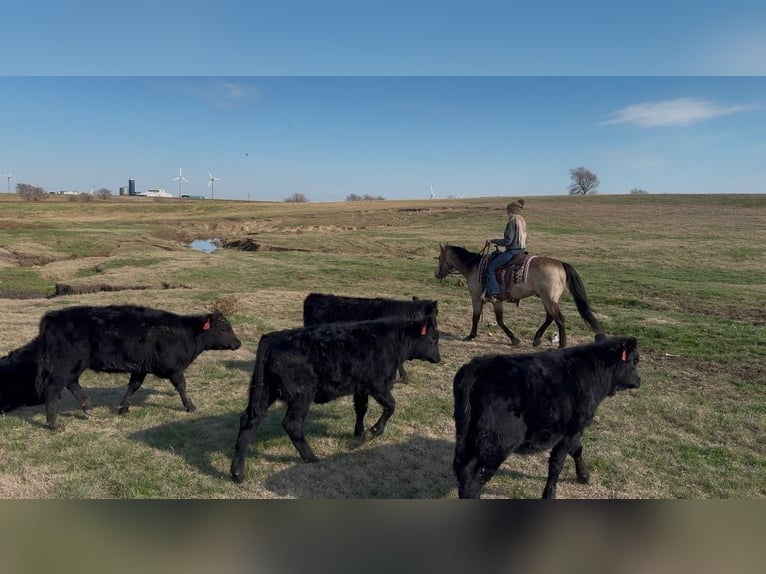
column 477, row 472
column 294, row 422
column 76, row 390
column 360, row 408
column 465, row 471
column 53, row 386
column 386, row 400
column 136, row 380
column 179, row 382
column 583, row 474
column 52, row 393
column 555, row 464
column 260, row 400
column 498, row 306
column 402, row 373
column 541, row 331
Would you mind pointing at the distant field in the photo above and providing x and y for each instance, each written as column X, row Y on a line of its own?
column 684, row 274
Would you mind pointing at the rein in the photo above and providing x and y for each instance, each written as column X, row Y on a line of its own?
column 483, row 253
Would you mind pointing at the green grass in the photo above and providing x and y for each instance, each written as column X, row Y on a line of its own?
column 654, row 268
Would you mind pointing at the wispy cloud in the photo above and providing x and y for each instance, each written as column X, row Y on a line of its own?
column 679, row 112
column 219, row 92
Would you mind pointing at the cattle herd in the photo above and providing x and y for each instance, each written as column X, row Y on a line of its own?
column 348, row 346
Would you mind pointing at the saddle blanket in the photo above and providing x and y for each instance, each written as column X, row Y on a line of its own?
column 513, row 274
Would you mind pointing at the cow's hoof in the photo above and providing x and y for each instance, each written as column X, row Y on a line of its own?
column 536, row 343
column 470, row 338
column 584, row 479
column 58, row 427
column 237, row 477
column 123, row 410
column 191, row 409
column 515, row 342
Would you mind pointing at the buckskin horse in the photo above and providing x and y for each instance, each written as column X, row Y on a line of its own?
column 546, row 278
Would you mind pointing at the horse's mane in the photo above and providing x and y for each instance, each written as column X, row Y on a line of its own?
column 466, row 257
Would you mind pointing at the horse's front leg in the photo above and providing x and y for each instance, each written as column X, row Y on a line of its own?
column 498, row 306
column 476, row 302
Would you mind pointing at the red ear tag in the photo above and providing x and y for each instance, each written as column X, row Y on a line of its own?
column 624, row 355
column 206, row 326
column 423, row 331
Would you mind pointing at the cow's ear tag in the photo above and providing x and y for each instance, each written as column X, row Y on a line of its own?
column 624, row 355
column 423, row 331
column 206, row 326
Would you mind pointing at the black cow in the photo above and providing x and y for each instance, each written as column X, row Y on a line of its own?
column 18, row 371
column 321, row 363
column 320, row 308
column 124, row 339
column 532, row 402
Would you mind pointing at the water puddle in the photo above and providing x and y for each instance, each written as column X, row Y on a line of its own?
column 205, row 245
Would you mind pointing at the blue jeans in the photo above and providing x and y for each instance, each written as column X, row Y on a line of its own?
column 501, row 259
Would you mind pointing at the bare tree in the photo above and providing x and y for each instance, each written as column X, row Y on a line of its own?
column 31, row 192
column 584, row 181
column 103, row 193
column 353, row 197
column 638, row 191
column 296, row 198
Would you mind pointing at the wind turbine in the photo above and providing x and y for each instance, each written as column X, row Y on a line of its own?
column 179, row 179
column 8, row 177
column 211, row 184
column 433, row 195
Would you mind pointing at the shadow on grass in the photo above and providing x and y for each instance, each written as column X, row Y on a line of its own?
column 246, row 366
column 418, row 468
column 197, row 439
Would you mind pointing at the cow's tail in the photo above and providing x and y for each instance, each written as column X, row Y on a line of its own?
column 461, row 387
column 258, row 390
column 42, row 358
column 577, row 289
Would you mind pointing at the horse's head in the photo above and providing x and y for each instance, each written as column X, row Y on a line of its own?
column 445, row 267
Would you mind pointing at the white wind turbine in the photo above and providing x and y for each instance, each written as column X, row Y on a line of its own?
column 8, row 177
column 211, row 184
column 433, row 195
column 179, row 179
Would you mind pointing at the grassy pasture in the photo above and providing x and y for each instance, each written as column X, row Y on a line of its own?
column 686, row 275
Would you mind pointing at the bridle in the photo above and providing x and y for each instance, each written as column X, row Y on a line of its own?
column 453, row 270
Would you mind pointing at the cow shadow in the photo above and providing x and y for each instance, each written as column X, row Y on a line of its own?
column 69, row 407
column 198, row 439
column 353, row 474
column 419, row 468
column 246, row 366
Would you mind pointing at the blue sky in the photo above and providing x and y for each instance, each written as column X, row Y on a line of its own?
column 337, row 97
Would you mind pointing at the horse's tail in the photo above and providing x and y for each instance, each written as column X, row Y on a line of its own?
column 577, row 289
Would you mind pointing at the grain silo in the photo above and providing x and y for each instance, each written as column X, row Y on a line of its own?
column 131, row 187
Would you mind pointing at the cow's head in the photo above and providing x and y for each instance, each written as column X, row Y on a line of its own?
column 427, row 341
column 623, row 356
column 217, row 332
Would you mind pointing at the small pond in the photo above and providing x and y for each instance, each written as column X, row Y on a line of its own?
column 205, row 245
